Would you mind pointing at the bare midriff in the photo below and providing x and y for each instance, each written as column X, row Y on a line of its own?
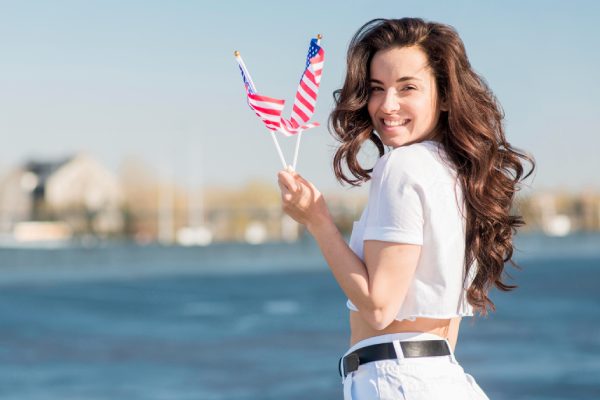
column 446, row 328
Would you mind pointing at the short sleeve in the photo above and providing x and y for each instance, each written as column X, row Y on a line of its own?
column 396, row 202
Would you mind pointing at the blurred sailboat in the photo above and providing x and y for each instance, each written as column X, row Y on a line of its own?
column 195, row 233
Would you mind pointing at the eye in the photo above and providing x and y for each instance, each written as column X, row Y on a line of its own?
column 409, row 88
column 375, row 89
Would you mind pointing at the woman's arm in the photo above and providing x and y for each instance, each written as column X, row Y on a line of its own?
column 378, row 286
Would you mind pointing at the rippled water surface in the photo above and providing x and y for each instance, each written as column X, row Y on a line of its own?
column 267, row 322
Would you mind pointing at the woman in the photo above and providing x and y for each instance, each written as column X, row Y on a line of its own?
column 437, row 229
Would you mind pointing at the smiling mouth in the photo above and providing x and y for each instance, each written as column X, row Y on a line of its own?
column 395, row 123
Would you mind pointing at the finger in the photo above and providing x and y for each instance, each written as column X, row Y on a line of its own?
column 286, row 196
column 287, row 180
column 282, row 187
column 306, row 183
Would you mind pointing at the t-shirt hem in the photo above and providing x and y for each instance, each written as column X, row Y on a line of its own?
column 392, row 235
column 412, row 317
column 433, row 316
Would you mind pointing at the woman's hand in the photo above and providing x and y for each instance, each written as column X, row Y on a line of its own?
column 302, row 201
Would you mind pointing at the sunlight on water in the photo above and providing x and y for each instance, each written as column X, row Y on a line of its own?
column 244, row 322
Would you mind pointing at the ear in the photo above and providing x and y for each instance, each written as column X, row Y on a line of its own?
column 444, row 105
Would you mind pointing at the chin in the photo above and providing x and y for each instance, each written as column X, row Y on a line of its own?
column 395, row 142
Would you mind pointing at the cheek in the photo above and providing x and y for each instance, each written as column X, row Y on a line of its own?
column 425, row 108
column 371, row 108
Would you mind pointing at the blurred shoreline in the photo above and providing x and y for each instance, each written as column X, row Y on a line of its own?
column 77, row 200
column 123, row 260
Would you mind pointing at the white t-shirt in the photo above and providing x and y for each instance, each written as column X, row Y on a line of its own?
column 415, row 198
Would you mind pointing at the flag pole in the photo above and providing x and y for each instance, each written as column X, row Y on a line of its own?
column 297, row 149
column 251, row 83
column 283, row 163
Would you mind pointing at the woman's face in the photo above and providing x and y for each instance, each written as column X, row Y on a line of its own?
column 403, row 99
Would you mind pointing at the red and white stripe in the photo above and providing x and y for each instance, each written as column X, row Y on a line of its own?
column 308, row 89
column 288, row 129
column 268, row 110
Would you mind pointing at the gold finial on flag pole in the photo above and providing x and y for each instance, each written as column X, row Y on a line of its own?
column 319, row 36
column 236, row 53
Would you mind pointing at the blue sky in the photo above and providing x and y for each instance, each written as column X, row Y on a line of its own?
column 158, row 81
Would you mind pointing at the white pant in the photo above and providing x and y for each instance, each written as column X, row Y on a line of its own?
column 418, row 378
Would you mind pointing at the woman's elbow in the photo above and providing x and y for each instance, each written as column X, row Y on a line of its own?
column 379, row 318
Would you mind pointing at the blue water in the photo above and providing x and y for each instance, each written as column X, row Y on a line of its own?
column 267, row 322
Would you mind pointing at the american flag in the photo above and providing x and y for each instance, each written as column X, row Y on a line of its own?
column 269, row 109
column 306, row 95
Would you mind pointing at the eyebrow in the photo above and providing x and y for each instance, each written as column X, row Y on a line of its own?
column 403, row 79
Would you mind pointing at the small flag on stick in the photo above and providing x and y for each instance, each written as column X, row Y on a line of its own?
column 269, row 109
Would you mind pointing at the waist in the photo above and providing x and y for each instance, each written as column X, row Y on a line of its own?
column 390, row 337
column 402, row 348
column 444, row 328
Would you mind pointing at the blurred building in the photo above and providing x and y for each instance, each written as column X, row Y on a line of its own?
column 74, row 195
column 16, row 198
column 86, row 195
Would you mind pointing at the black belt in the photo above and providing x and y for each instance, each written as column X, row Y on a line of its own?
column 386, row 351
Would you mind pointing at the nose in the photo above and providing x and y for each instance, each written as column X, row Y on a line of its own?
column 390, row 103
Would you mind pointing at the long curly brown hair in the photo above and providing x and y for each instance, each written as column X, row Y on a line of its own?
column 472, row 134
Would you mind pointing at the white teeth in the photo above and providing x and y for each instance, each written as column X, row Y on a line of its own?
column 395, row 123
